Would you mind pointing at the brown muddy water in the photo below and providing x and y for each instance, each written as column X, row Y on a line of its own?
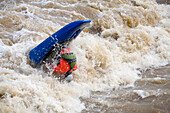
column 123, row 57
column 163, row 1
column 150, row 94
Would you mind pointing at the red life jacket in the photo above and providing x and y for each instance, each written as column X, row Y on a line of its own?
column 64, row 66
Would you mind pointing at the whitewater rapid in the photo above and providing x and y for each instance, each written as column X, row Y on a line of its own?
column 124, row 39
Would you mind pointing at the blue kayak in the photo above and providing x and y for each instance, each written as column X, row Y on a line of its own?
column 69, row 31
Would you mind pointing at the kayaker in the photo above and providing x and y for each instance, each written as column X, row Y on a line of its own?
column 62, row 65
column 53, row 53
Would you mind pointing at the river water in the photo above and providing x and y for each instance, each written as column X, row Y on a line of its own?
column 123, row 57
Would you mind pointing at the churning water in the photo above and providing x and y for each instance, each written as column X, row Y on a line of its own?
column 122, row 57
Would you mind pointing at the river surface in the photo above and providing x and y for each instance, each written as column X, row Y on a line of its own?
column 123, row 57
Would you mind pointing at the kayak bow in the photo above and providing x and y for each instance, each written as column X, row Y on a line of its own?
column 70, row 31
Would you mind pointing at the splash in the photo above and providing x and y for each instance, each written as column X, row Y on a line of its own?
column 125, row 37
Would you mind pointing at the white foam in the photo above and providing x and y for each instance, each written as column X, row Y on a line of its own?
column 107, row 61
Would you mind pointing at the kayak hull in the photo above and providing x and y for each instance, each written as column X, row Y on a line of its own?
column 70, row 31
